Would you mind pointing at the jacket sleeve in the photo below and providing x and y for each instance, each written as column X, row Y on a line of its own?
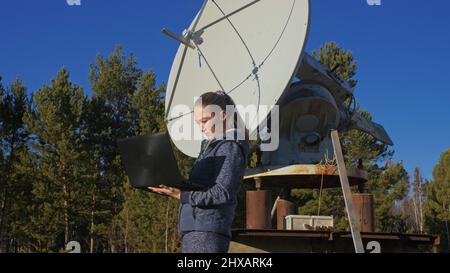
column 229, row 166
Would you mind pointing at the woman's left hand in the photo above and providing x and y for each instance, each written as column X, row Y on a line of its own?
column 164, row 190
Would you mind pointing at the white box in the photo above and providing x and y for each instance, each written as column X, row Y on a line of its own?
column 297, row 222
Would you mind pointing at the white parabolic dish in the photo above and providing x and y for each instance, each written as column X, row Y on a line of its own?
column 252, row 56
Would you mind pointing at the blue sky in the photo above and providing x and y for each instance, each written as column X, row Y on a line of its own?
column 402, row 49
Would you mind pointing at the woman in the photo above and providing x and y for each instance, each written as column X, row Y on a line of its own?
column 205, row 217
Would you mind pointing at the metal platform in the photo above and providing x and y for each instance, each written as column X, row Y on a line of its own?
column 302, row 176
column 299, row 241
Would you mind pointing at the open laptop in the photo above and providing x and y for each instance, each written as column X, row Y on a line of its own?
column 149, row 161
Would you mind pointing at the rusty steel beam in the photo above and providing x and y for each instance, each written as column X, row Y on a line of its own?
column 430, row 239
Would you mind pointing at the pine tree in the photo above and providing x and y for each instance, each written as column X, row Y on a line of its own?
column 389, row 185
column 104, row 194
column 55, row 122
column 334, row 57
column 418, row 186
column 14, row 101
column 2, row 163
column 19, row 229
column 114, row 81
column 437, row 205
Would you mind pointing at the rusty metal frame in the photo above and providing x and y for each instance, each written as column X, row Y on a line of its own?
column 331, row 235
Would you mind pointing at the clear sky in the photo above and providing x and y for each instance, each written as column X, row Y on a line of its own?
column 402, row 49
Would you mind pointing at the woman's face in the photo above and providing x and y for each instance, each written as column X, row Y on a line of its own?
column 210, row 119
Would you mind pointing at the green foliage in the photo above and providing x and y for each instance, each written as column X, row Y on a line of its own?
column 147, row 223
column 437, row 204
column 331, row 55
column 389, row 185
column 147, row 104
column 107, row 118
column 357, row 145
column 15, row 185
column 55, row 124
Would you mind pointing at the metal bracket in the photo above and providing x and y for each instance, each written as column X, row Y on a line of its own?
column 185, row 41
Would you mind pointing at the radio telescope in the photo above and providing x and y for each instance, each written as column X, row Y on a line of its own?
column 254, row 50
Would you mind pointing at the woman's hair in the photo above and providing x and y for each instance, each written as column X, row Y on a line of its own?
column 221, row 99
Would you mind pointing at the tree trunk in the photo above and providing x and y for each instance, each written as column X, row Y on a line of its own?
column 126, row 230
column 420, row 207
column 416, row 217
column 2, row 216
column 6, row 192
column 91, row 243
column 66, row 212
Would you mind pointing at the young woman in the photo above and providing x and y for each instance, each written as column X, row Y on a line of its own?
column 205, row 217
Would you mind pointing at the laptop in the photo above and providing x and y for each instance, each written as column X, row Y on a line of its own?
column 149, row 161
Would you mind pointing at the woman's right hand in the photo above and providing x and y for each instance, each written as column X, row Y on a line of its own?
column 165, row 190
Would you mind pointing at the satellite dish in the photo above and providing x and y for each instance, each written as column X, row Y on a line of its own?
column 249, row 49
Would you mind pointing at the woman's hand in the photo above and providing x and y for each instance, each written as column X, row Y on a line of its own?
column 164, row 190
